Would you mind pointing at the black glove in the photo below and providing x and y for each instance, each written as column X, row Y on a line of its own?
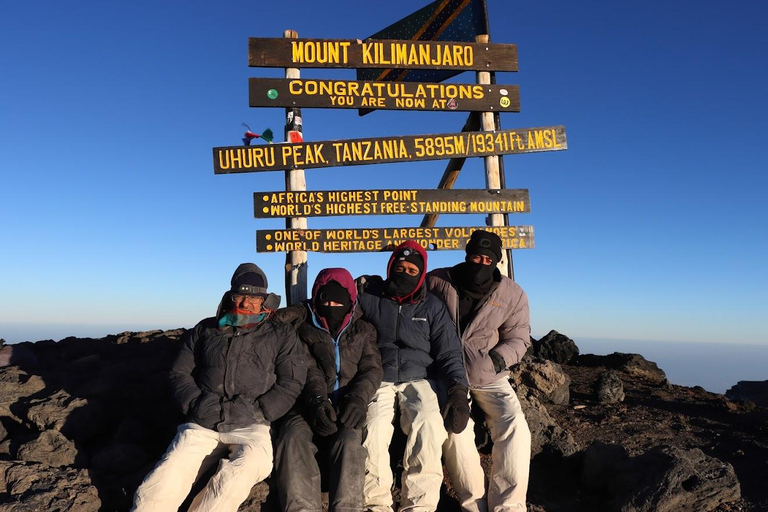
column 321, row 416
column 353, row 412
column 456, row 409
column 499, row 364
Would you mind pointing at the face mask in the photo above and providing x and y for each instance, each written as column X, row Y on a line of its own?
column 333, row 315
column 401, row 284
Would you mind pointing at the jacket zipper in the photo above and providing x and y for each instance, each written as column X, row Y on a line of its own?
column 397, row 340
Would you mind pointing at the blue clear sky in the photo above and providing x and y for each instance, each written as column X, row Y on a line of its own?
column 650, row 226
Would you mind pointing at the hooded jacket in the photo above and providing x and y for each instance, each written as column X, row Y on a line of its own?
column 350, row 364
column 501, row 322
column 230, row 377
column 416, row 336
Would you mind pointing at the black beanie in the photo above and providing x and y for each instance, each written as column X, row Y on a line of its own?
column 249, row 279
column 485, row 242
column 411, row 256
column 333, row 291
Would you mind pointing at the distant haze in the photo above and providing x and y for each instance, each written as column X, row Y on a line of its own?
column 713, row 366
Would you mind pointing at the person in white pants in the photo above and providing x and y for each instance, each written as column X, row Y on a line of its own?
column 415, row 335
column 235, row 374
column 491, row 315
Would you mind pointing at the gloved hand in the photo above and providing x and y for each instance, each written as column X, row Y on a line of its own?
column 456, row 409
column 353, row 412
column 499, row 364
column 322, row 417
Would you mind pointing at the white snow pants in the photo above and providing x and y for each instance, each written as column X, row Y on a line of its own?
column 244, row 457
column 510, row 456
column 422, row 423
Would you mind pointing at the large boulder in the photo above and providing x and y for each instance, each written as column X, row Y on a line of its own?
column 541, row 379
column 670, row 479
column 31, row 487
column 77, row 418
column 750, row 390
column 556, row 347
column 546, row 435
column 634, row 365
column 16, row 386
column 51, row 448
column 609, row 389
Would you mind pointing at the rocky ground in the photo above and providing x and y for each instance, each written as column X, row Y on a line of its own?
column 83, row 420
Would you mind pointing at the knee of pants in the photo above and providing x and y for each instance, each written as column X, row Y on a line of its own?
column 349, row 435
column 296, row 434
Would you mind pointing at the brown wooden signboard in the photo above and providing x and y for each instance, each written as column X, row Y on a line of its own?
column 380, row 54
column 310, row 155
column 320, row 93
column 384, row 239
column 325, row 203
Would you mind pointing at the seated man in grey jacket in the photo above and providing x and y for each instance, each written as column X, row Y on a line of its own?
column 490, row 313
column 235, row 374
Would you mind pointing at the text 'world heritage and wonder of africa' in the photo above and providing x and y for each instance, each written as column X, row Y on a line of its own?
column 385, row 239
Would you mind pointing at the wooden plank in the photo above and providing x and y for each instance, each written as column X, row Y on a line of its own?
column 410, row 148
column 380, row 54
column 321, row 93
column 384, row 239
column 327, row 203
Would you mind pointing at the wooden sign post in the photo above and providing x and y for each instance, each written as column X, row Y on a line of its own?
column 295, row 260
column 383, row 67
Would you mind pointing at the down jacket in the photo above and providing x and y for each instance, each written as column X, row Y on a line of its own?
column 416, row 337
column 501, row 322
column 349, row 365
column 232, row 377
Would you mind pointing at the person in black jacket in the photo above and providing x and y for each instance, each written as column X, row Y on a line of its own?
column 419, row 346
column 234, row 375
column 344, row 371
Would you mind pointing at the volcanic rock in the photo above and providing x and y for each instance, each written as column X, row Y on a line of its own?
column 754, row 391
column 541, row 379
column 631, row 364
column 670, row 479
column 609, row 389
column 51, row 448
column 29, row 487
column 556, row 347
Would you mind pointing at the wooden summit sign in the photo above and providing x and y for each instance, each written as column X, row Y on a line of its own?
column 400, row 54
column 384, row 239
column 324, row 203
column 309, row 155
column 318, row 93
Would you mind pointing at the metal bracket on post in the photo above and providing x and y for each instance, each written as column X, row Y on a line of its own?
column 295, row 261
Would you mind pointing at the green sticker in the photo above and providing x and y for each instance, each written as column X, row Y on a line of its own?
column 504, row 102
column 272, row 94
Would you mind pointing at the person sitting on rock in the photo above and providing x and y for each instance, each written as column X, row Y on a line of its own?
column 491, row 316
column 235, row 374
column 344, row 371
column 417, row 341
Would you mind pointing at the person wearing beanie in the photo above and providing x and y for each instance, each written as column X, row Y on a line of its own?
column 491, row 316
column 420, row 350
column 344, row 372
column 234, row 375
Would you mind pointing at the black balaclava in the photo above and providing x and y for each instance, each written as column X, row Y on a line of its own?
column 477, row 277
column 333, row 315
column 400, row 284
